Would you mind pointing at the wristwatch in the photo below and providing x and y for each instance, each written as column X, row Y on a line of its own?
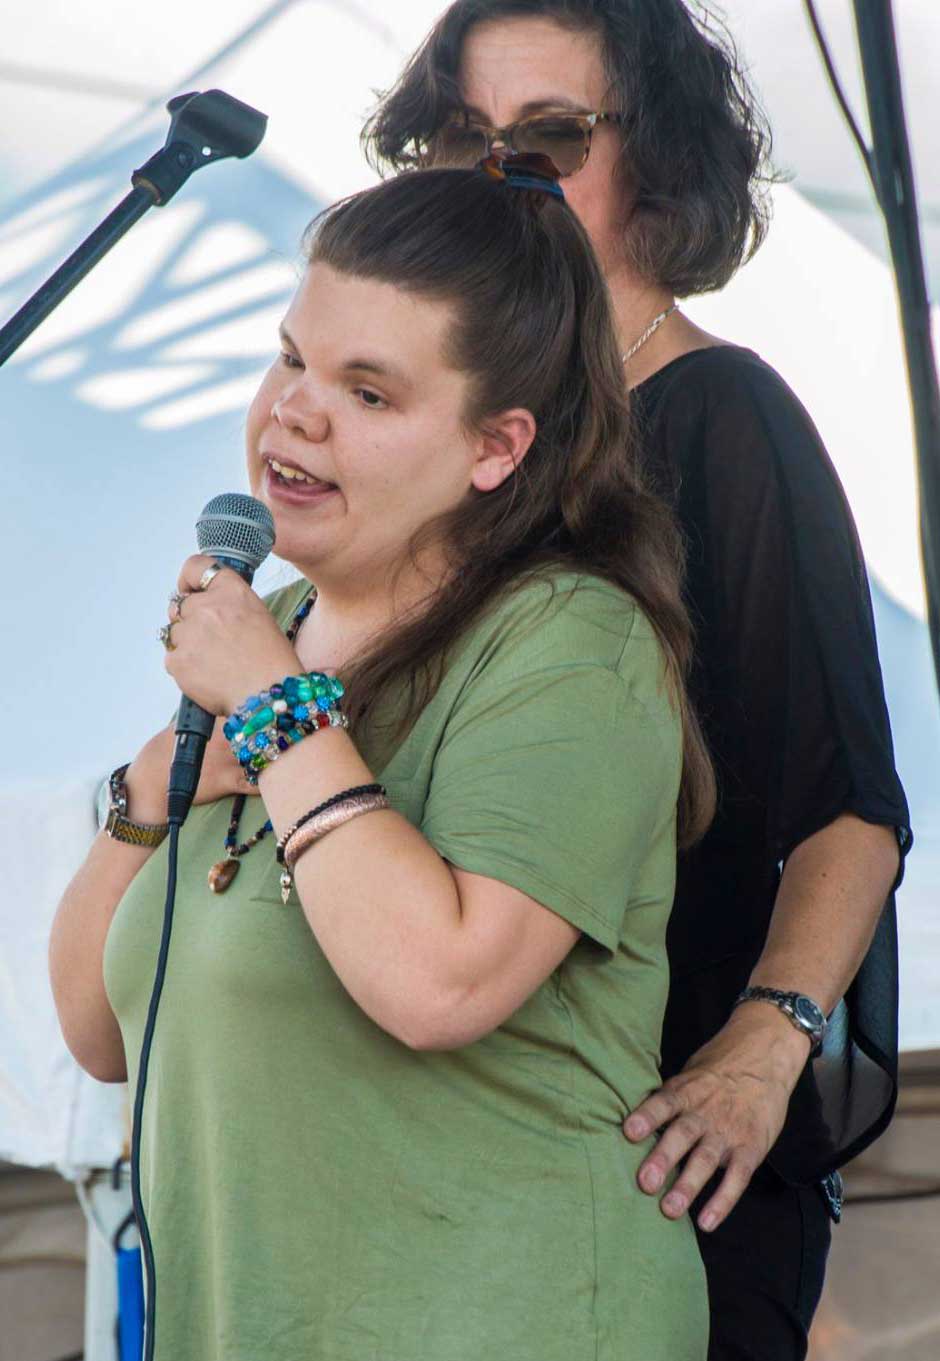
column 800, row 1010
column 112, row 815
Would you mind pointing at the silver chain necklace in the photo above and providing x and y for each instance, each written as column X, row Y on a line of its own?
column 650, row 330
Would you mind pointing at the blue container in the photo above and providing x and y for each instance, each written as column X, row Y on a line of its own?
column 130, row 1321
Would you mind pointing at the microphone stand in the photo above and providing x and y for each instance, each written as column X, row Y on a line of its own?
column 203, row 128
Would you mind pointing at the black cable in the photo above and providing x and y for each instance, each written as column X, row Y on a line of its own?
column 839, row 93
column 145, row 1242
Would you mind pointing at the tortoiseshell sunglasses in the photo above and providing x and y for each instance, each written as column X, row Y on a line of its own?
column 564, row 137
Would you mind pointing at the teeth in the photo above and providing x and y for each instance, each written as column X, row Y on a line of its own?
column 292, row 474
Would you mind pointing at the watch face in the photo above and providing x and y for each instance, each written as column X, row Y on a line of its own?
column 103, row 802
column 808, row 1012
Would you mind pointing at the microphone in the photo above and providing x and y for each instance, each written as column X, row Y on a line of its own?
column 238, row 532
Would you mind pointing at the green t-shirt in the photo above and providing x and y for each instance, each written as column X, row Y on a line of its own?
column 315, row 1190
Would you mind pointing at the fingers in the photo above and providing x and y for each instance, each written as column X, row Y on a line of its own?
column 704, row 1155
column 658, row 1108
column 193, row 571
column 732, row 1186
column 185, row 600
column 724, row 1110
column 700, row 1166
column 690, row 1135
column 175, row 607
column 682, row 1135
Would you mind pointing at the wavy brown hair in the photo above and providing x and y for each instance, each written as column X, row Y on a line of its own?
column 695, row 143
column 532, row 328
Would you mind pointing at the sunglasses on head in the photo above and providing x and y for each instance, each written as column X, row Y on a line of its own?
column 564, row 137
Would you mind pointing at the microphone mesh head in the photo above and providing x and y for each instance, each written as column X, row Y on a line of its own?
column 234, row 525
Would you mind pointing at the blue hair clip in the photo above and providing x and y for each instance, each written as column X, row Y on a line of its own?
column 525, row 170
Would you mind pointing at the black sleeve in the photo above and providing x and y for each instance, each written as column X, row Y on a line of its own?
column 794, row 701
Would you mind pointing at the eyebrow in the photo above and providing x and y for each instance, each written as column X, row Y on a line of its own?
column 396, row 375
column 535, row 106
column 358, row 363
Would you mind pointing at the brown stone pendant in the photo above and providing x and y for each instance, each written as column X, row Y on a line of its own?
column 222, row 874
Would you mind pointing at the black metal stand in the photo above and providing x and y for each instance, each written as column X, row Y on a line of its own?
column 203, row 128
column 894, row 182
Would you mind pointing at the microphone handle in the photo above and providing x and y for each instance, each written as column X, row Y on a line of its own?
column 193, row 729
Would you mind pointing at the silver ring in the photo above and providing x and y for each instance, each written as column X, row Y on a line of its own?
column 166, row 637
column 177, row 599
column 208, row 576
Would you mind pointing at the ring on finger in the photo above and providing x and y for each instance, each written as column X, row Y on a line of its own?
column 208, row 576
column 166, row 637
column 177, row 599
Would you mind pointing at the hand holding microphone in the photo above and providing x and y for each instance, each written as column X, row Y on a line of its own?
column 221, row 641
column 225, row 642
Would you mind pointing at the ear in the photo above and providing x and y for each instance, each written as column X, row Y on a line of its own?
column 502, row 444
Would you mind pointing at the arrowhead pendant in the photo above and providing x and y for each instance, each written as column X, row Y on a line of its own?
column 222, row 874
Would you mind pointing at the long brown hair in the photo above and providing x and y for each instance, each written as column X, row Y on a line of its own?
column 695, row 143
column 532, row 328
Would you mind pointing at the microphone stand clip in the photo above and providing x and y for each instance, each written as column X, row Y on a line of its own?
column 203, row 128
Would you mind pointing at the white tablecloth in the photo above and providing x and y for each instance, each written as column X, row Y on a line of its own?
column 51, row 1113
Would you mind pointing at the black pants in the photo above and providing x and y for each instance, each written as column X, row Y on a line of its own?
column 765, row 1267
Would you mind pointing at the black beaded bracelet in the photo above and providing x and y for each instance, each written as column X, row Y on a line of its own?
column 321, row 808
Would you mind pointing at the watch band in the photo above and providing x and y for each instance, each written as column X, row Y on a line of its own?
column 801, row 1011
column 122, row 828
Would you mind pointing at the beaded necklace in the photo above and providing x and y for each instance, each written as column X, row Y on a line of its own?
column 224, row 871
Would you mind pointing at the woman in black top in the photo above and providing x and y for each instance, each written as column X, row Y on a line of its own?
column 664, row 151
column 788, row 685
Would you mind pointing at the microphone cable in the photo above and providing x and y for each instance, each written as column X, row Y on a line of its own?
column 150, row 1271
column 238, row 532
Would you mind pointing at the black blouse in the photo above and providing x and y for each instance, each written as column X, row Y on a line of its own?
column 788, row 687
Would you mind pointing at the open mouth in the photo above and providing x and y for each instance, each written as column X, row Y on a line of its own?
column 288, row 475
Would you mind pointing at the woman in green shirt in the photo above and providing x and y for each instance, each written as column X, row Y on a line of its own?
column 383, row 1119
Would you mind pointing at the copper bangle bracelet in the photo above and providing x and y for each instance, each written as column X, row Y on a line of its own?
column 343, row 796
column 318, row 827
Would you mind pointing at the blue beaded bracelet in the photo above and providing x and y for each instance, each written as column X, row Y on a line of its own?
column 271, row 722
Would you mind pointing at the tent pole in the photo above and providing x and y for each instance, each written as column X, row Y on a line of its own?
column 894, row 181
